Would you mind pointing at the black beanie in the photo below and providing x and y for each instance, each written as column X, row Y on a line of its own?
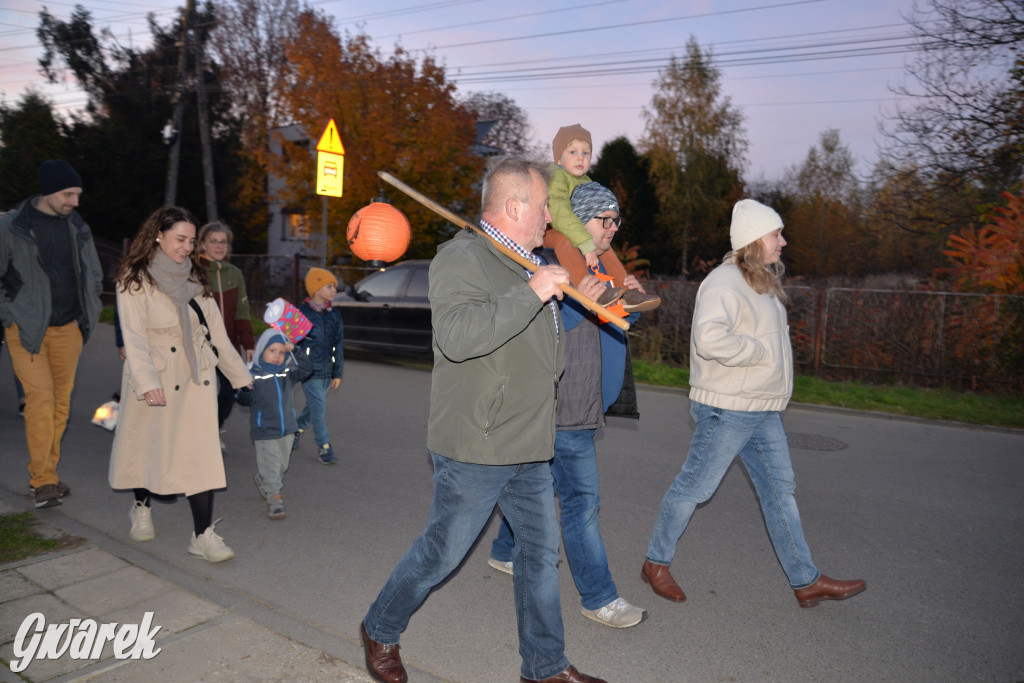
column 56, row 175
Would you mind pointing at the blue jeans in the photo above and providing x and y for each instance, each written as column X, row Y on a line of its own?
column 575, row 473
column 760, row 441
column 464, row 498
column 315, row 389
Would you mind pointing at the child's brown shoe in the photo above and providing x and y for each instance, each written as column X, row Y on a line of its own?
column 635, row 301
column 609, row 296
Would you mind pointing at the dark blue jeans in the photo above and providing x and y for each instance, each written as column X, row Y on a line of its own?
column 574, row 469
column 464, row 498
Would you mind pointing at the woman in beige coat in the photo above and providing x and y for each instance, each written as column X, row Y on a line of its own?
column 167, row 440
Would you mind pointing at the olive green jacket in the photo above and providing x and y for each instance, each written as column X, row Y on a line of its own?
column 497, row 358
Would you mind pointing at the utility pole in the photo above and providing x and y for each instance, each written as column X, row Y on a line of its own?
column 204, row 136
column 171, row 193
column 188, row 46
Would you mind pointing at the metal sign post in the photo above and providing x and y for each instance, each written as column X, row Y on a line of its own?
column 330, row 167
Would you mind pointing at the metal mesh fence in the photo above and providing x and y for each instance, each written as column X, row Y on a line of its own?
column 917, row 337
column 924, row 338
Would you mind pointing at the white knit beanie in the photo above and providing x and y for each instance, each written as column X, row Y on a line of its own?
column 751, row 220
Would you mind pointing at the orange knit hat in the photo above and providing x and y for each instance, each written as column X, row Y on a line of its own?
column 317, row 278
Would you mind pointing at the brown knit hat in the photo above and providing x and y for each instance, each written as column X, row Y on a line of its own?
column 567, row 134
column 317, row 278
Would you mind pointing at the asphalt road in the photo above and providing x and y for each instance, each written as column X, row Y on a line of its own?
column 930, row 514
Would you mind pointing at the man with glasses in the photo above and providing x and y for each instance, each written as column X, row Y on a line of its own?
column 595, row 373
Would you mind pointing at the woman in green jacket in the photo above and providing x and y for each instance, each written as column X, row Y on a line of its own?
column 228, row 286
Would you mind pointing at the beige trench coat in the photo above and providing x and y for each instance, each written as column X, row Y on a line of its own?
column 174, row 448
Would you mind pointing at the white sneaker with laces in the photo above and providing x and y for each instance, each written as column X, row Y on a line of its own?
column 142, row 523
column 618, row 614
column 500, row 566
column 209, row 546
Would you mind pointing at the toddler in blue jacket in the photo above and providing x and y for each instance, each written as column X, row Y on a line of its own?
column 272, row 419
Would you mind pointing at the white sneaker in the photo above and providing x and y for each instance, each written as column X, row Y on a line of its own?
column 209, row 546
column 618, row 614
column 500, row 566
column 142, row 522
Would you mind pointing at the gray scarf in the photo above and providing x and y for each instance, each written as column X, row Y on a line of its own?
column 172, row 279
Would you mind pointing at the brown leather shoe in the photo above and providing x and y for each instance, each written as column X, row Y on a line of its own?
column 382, row 661
column 828, row 589
column 570, row 675
column 661, row 581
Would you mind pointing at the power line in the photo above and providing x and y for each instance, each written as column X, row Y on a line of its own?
column 646, row 22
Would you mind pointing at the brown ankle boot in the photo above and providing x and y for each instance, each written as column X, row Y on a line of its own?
column 661, row 581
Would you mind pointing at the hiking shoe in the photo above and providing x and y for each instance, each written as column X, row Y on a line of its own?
column 326, row 455
column 609, row 296
column 635, row 301
column 62, row 489
column 295, row 441
column 618, row 614
column 259, row 487
column 47, row 496
column 500, row 566
column 275, row 507
column 142, row 522
column 209, row 546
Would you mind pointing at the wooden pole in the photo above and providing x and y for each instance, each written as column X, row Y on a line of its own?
column 455, row 219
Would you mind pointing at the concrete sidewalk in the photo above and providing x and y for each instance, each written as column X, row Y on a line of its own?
column 199, row 639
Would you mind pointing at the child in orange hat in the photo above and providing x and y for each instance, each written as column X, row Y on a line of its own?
column 323, row 346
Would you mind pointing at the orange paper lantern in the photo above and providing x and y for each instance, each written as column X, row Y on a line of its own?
column 379, row 233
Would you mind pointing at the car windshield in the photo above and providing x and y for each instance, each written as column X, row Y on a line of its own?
column 418, row 285
column 383, row 284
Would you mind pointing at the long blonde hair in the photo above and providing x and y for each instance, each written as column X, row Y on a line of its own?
column 763, row 278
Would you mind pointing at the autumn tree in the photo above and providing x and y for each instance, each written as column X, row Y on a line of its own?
column 824, row 228
column 248, row 42
column 511, row 132
column 393, row 113
column 989, row 257
column 695, row 141
column 964, row 117
column 29, row 135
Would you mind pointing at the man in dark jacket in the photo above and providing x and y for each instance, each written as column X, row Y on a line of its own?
column 595, row 370
column 50, row 285
column 498, row 353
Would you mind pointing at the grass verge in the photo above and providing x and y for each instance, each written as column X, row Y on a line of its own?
column 19, row 539
column 935, row 404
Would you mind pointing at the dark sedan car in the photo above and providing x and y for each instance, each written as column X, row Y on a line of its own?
column 388, row 310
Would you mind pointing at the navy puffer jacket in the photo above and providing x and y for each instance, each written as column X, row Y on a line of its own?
column 323, row 344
